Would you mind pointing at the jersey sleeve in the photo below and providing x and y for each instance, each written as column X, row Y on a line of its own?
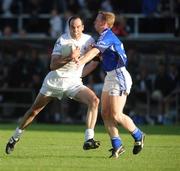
column 90, row 42
column 102, row 44
column 57, row 48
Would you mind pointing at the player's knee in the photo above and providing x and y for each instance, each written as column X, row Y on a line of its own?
column 94, row 101
column 33, row 112
column 118, row 117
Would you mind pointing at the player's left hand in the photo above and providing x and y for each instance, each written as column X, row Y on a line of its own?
column 75, row 54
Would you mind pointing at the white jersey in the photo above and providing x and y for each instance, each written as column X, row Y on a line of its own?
column 70, row 69
column 58, row 79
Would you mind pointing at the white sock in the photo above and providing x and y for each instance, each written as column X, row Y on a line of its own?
column 89, row 134
column 17, row 134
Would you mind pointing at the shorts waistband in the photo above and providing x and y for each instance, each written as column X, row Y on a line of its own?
column 116, row 70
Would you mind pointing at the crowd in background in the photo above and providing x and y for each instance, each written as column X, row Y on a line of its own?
column 154, row 78
column 60, row 10
column 148, row 7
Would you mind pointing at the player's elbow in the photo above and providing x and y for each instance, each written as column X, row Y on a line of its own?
column 54, row 64
column 52, row 67
column 94, row 64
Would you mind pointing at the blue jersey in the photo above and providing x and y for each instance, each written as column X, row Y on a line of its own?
column 112, row 50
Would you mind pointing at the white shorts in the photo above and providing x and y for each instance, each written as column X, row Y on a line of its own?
column 59, row 87
column 118, row 82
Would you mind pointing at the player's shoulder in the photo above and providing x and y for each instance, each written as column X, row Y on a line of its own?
column 108, row 36
column 64, row 36
column 109, row 33
column 86, row 36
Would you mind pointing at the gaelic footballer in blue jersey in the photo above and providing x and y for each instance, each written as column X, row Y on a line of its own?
column 117, row 84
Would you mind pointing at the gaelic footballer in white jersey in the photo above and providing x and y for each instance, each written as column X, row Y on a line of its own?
column 58, row 79
column 65, row 80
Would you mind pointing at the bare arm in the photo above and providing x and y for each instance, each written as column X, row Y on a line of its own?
column 89, row 68
column 58, row 61
column 88, row 56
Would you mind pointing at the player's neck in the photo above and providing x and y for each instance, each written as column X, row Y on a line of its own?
column 103, row 29
column 76, row 37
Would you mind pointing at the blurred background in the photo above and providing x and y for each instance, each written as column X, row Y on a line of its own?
column 149, row 29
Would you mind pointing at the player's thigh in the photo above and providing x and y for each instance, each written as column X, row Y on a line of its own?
column 86, row 96
column 117, row 103
column 105, row 108
column 41, row 101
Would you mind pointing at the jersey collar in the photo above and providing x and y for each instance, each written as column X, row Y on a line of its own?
column 105, row 30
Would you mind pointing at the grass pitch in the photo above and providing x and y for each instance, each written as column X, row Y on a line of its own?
column 59, row 148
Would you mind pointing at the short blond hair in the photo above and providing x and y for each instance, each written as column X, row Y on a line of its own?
column 109, row 17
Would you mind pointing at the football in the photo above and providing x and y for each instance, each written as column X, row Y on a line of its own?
column 66, row 49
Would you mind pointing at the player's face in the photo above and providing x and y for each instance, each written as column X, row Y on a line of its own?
column 76, row 28
column 98, row 23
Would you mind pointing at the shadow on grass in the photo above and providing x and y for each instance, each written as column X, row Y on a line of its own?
column 51, row 156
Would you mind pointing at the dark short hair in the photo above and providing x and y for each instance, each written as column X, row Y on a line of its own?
column 74, row 17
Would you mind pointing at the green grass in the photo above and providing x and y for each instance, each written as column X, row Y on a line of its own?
column 59, row 147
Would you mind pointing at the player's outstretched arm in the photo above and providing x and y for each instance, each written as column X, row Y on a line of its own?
column 89, row 68
column 88, row 56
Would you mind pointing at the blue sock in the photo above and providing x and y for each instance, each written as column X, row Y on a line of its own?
column 116, row 142
column 137, row 134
